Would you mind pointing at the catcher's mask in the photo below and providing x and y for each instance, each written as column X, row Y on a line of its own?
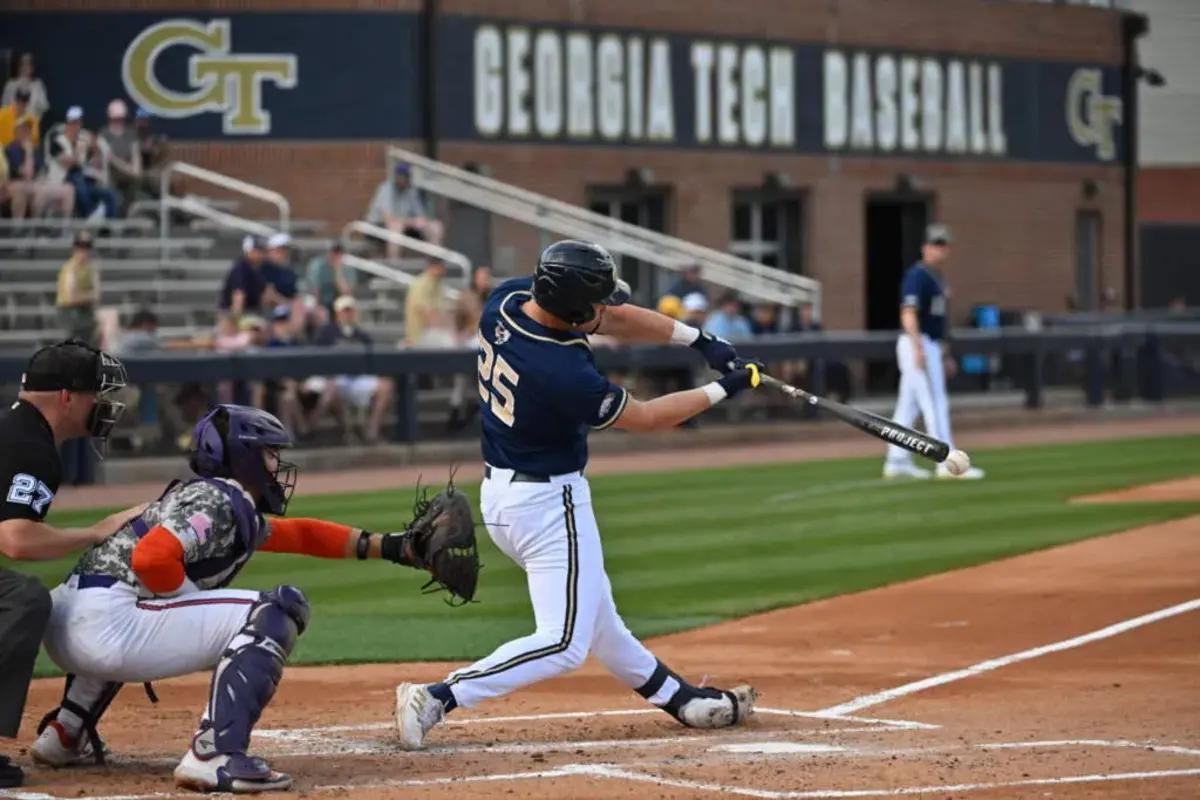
column 240, row 442
column 76, row 366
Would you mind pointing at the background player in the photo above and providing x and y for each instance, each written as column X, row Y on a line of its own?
column 540, row 393
column 148, row 603
column 919, row 355
column 66, row 393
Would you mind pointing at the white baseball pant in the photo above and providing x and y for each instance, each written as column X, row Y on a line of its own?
column 921, row 391
column 550, row 531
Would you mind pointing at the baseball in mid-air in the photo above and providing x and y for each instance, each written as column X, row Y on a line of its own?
column 957, row 462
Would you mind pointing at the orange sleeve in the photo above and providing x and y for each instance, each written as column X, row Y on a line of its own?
column 158, row 561
column 309, row 537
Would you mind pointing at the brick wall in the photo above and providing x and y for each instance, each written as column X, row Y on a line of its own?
column 1014, row 223
column 1169, row 194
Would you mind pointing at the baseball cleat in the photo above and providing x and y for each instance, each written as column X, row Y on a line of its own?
column 56, row 748
column 229, row 772
column 725, row 710
column 417, row 711
column 972, row 474
column 891, row 471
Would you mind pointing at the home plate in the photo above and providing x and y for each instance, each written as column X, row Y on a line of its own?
column 776, row 747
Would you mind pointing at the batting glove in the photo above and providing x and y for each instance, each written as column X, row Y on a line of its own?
column 719, row 353
column 745, row 373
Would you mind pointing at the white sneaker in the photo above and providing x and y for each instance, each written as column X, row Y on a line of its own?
column 55, row 748
column 723, row 711
column 972, row 474
column 229, row 772
column 907, row 470
column 417, row 711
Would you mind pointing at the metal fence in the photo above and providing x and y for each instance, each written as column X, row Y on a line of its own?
column 1147, row 360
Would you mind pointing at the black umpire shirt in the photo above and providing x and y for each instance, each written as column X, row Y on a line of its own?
column 30, row 470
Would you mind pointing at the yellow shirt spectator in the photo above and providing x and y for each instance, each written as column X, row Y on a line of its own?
column 425, row 316
column 9, row 115
column 77, row 283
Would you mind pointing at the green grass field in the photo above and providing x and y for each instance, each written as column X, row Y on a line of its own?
column 691, row 548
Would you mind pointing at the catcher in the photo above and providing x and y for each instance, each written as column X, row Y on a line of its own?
column 148, row 603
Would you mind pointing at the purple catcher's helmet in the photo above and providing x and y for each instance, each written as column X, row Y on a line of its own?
column 231, row 442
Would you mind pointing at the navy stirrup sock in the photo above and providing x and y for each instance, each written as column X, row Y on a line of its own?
column 442, row 692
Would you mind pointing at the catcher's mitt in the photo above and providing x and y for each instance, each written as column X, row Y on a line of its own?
column 442, row 539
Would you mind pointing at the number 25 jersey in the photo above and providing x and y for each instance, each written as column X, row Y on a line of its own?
column 539, row 389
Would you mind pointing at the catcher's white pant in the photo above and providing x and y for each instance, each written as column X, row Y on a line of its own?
column 549, row 530
column 110, row 634
column 922, row 391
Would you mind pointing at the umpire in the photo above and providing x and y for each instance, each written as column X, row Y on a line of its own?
column 66, row 393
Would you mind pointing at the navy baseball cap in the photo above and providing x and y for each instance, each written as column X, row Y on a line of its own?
column 74, row 366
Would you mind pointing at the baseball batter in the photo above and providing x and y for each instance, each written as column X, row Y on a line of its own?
column 919, row 355
column 150, row 601
column 540, row 393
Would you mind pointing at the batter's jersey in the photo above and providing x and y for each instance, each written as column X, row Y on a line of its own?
column 213, row 519
column 30, row 471
column 539, row 389
column 922, row 290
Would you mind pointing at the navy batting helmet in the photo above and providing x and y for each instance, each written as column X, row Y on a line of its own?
column 231, row 442
column 572, row 276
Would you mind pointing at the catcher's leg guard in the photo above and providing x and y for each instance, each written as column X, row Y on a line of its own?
column 249, row 670
column 67, row 735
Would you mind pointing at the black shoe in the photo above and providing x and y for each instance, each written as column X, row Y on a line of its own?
column 11, row 775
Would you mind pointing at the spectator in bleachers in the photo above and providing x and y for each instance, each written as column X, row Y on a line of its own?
column 695, row 309
column 4, row 184
column 805, row 319
column 245, row 283
column 278, row 272
column 670, row 306
column 326, row 278
column 688, row 283
column 466, row 323
column 79, row 291
column 367, row 395
column 764, row 319
column 75, row 158
column 28, row 186
column 427, row 322
column 282, row 396
column 11, row 112
column 398, row 206
column 152, row 150
column 727, row 321
column 123, row 154
column 39, row 101
column 142, row 334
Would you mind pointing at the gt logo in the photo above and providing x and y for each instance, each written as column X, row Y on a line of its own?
column 27, row 490
column 221, row 81
column 1092, row 115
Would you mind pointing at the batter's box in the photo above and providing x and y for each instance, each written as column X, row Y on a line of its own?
column 781, row 769
column 562, row 736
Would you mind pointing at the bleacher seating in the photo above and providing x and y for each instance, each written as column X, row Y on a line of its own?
column 182, row 290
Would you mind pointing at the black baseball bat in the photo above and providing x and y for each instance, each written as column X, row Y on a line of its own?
column 879, row 427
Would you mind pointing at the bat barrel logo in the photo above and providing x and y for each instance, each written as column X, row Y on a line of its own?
column 906, row 440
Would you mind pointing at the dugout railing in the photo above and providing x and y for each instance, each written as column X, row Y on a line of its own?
column 1118, row 362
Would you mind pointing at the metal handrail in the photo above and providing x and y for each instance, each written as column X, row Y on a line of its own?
column 546, row 213
column 412, row 243
column 390, row 273
column 197, row 208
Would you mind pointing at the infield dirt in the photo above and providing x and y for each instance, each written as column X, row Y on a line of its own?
column 1116, row 717
column 1059, row 725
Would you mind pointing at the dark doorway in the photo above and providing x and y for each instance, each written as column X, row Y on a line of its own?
column 895, row 227
column 645, row 206
column 1087, row 258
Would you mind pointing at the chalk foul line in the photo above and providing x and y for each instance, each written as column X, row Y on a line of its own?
column 868, row 700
